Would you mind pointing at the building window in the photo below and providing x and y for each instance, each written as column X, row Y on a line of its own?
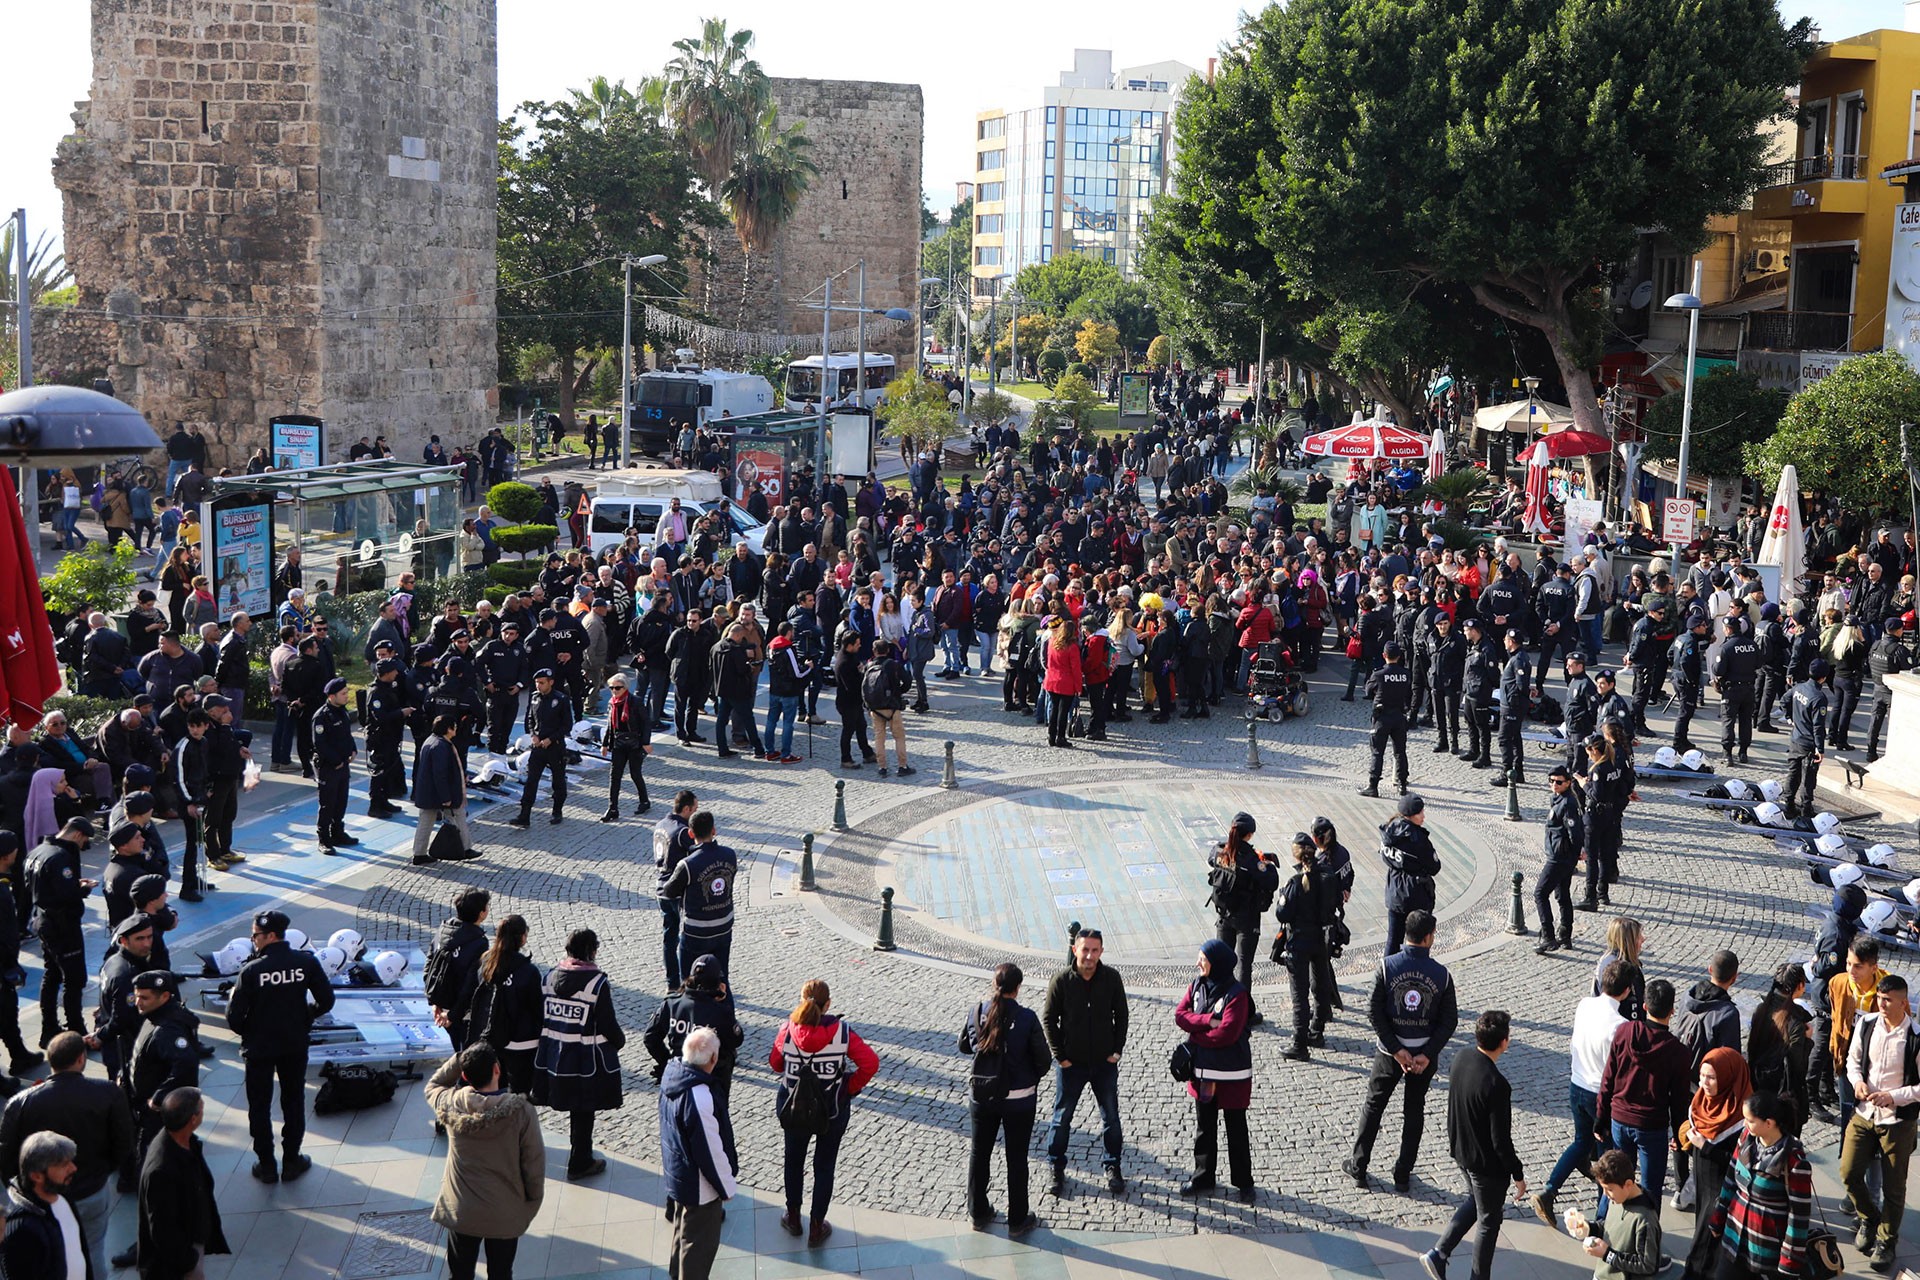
column 1046, row 219
column 986, row 255
column 995, row 128
column 1053, row 115
column 1136, row 84
column 991, row 192
column 1079, row 115
column 1113, row 151
column 1146, row 155
column 1158, row 86
column 993, row 160
column 987, row 224
column 1050, row 146
column 1046, row 185
column 1046, row 253
column 1079, row 186
column 1079, row 151
column 1108, row 254
column 1113, row 186
column 1669, row 275
column 1143, row 188
column 1113, row 118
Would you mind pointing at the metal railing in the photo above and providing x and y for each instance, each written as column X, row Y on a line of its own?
column 1843, row 166
column 1800, row 330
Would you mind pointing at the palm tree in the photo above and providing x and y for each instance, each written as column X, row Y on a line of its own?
column 47, row 270
column 602, row 100
column 769, row 176
column 1457, row 490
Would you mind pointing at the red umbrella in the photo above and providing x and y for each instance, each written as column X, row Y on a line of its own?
column 1533, row 518
column 1366, row 440
column 1574, row 444
column 29, row 673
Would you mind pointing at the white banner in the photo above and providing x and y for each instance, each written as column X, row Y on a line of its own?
column 1902, row 332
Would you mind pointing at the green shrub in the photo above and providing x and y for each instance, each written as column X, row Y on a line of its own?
column 524, row 538
column 1082, row 368
column 511, row 500
column 513, row 573
column 498, row 595
column 85, row 715
column 1053, row 363
column 92, row 579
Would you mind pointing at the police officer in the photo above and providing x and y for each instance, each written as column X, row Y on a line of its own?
column 388, row 710
column 1647, row 647
column 551, row 715
column 269, row 1012
column 1735, row 668
column 1581, row 713
column 333, row 753
column 704, row 1002
column 115, row 1020
column 1308, row 904
column 453, row 696
column 672, row 842
column 1889, row 656
column 1516, row 697
column 703, row 885
column 1502, row 604
column 1566, row 836
column 129, row 860
column 1414, row 1011
column 1243, row 881
column 503, row 672
column 12, row 976
column 1610, row 783
column 1481, row 678
column 1553, row 615
column 569, row 658
column 59, row 898
column 1446, row 668
column 1808, row 706
column 164, row 1055
column 1390, row 689
column 1612, row 704
column 1771, row 636
column 1688, row 655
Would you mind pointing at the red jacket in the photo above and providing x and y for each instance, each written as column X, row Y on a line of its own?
column 1063, row 670
column 812, row 1039
column 1256, row 625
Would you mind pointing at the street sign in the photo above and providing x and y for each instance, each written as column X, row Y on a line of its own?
column 1676, row 521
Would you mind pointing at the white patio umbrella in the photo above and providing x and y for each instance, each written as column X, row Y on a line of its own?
column 1786, row 542
column 1436, row 467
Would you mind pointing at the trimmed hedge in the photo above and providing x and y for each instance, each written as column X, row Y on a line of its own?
column 512, row 500
column 524, row 538
column 513, row 573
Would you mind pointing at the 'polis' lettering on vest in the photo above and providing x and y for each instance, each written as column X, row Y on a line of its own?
column 561, row 1009
column 281, row 978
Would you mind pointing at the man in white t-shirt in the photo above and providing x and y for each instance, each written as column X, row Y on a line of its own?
column 43, row 1235
column 1594, row 1021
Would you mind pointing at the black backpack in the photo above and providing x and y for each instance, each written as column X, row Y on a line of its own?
column 352, row 1086
column 878, row 688
column 810, row 1105
column 481, row 1012
column 987, row 1073
column 442, row 978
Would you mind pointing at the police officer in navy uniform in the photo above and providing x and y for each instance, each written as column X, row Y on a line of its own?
column 1613, row 704
column 1809, row 705
column 269, row 1012
column 12, row 976
column 1735, row 669
column 453, row 697
column 1390, row 689
column 1581, row 713
column 1446, row 669
column 703, row 883
column 503, row 674
column 1689, row 666
column 1482, row 677
column 1516, row 696
column 1648, row 645
column 1553, row 612
column 388, row 710
column 550, row 714
column 164, row 1057
column 704, row 1001
column 672, row 842
column 333, row 753
column 59, row 900
column 1889, row 656
column 1414, row 1011
column 115, row 1021
column 1565, row 838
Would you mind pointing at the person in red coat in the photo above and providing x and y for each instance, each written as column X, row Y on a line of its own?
column 810, row 1040
column 1214, row 1013
column 1256, row 628
column 1064, row 679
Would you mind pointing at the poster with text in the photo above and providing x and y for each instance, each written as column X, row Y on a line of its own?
column 1902, row 332
column 760, row 465
column 1135, row 396
column 238, row 551
column 298, row 441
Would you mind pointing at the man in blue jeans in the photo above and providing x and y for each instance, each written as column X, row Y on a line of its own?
column 1645, row 1090
column 1595, row 1020
column 1086, row 1026
column 788, row 675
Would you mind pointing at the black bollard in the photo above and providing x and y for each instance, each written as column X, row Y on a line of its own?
column 840, row 804
column 806, row 864
column 1517, row 909
column 885, row 941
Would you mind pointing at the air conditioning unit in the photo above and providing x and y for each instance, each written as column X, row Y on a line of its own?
column 1768, row 261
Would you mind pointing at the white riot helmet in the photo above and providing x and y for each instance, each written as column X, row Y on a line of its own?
column 1770, row 814
column 296, row 938
column 1693, row 760
column 1912, row 893
column 585, row 732
column 1739, row 790
column 350, row 943
column 1825, row 823
column 494, row 770
column 332, row 959
column 523, row 743
column 1770, row 790
column 389, row 965
column 1830, row 846
column 1877, row 916
column 229, row 958
column 1845, row 874
column 1880, row 855
column 1666, row 758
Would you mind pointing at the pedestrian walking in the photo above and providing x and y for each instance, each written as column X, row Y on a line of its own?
column 848, row 669
column 1766, row 1205
column 1243, row 882
column 576, row 1069
column 629, row 741
column 1610, row 789
column 495, row 1173
column 499, row 1004
column 1009, row 1051
column 1879, row 1137
column 1645, row 1088
column 1213, row 1014
column 1390, row 690
column 1085, row 1017
column 1626, row 1246
column 92, row 1118
column 1414, row 1011
column 1309, row 906
column 703, row 884
column 1595, row 1019
column 1412, row 863
column 1480, row 1138
column 455, row 954
column 1714, row 1129
column 179, row 1213
column 440, row 793
column 822, row 1065
column 1564, row 840
column 704, row 1001
column 269, row 1011
column 699, row 1165
column 883, row 690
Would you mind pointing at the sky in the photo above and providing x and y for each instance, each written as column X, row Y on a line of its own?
column 549, row 46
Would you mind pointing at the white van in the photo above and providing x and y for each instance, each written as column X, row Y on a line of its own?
column 637, row 502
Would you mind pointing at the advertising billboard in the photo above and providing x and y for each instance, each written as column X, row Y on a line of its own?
column 297, row 441
column 237, row 550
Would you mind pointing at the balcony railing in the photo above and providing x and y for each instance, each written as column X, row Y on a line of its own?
column 1800, row 330
column 1849, row 168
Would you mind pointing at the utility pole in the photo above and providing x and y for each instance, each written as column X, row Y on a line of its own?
column 626, row 367
column 826, row 361
column 23, row 318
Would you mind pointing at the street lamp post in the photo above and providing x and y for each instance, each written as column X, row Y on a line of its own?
column 1013, row 332
column 993, row 332
column 1690, row 303
column 920, row 329
column 827, row 312
column 626, row 354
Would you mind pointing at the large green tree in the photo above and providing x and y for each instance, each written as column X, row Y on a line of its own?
column 1842, row 434
column 764, row 187
column 1511, row 148
column 1067, row 280
column 579, row 187
column 1730, row 411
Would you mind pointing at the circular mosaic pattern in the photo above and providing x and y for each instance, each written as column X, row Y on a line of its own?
column 1131, row 860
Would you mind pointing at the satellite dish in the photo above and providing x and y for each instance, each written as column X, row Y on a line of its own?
column 1642, row 294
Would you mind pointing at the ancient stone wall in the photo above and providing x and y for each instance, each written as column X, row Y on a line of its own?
column 864, row 203
column 199, row 228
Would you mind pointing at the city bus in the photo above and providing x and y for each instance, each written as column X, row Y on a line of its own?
column 803, row 381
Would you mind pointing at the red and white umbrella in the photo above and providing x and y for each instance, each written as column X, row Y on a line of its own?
column 1574, row 444
column 1533, row 518
column 1436, row 467
column 1365, row 439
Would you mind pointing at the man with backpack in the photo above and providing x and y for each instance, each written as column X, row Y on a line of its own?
column 1244, row 882
column 883, row 689
column 703, row 884
column 456, row 953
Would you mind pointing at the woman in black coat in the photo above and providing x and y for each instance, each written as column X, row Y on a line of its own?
column 576, row 1068
column 1009, row 1053
column 500, row 1003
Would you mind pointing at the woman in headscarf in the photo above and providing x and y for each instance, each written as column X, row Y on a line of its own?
column 1713, row 1131
column 51, row 800
column 1214, row 1015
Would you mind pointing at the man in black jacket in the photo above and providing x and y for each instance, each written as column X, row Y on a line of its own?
column 1647, row 646
column 1414, row 1011
column 1889, row 656
column 179, row 1217
column 59, row 900
column 21, row 1059
column 227, row 757
column 90, row 1113
column 440, row 792
column 1582, row 712
column 1446, row 670
column 1390, row 690
column 456, row 953
column 1516, row 695
column 1809, row 706
column 1565, row 839
column 1480, row 1138
column 1736, row 667
column 1481, row 678
column 1086, row 1024
column 734, row 682
column 688, row 652
column 165, row 1052
column 1688, row 657
column 648, row 639
column 1412, row 864
column 551, row 717
column 269, row 1012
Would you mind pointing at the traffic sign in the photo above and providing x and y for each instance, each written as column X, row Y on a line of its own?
column 1676, row 521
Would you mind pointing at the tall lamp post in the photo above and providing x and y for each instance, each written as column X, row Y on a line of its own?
column 1690, row 303
column 827, row 311
column 1013, row 332
column 920, row 330
column 993, row 321
column 626, row 355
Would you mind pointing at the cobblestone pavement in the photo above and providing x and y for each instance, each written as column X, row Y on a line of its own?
column 1695, row 880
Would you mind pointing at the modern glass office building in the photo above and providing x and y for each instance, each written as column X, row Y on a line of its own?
column 1076, row 174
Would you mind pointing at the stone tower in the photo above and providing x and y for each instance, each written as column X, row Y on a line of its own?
column 286, row 206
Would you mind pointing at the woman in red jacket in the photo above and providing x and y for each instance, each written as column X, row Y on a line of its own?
column 842, row 1063
column 1064, row 679
column 1214, row 1014
column 1256, row 628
